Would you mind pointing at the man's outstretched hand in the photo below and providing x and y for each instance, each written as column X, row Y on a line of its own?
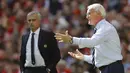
column 77, row 55
column 66, row 38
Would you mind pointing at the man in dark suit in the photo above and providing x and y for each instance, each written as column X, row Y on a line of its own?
column 39, row 49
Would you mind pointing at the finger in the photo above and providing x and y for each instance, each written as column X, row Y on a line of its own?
column 55, row 36
column 78, row 52
column 70, row 53
column 66, row 32
column 58, row 34
column 60, row 40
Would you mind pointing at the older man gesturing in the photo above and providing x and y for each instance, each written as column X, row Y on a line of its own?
column 105, row 42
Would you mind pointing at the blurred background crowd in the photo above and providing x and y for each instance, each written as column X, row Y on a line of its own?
column 59, row 16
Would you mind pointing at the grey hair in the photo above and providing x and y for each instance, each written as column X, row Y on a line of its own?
column 35, row 12
column 99, row 8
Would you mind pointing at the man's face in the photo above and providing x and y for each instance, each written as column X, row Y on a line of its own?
column 91, row 15
column 33, row 21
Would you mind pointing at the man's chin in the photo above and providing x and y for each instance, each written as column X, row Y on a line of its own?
column 89, row 23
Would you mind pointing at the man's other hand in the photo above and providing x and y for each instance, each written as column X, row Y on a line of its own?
column 77, row 55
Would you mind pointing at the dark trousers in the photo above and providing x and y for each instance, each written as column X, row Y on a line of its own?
column 35, row 70
column 116, row 67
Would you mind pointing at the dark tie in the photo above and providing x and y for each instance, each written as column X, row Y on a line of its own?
column 93, row 51
column 32, row 49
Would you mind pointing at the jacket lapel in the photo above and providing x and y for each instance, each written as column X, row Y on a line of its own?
column 24, row 46
column 26, row 38
column 25, row 41
column 41, row 41
column 41, row 38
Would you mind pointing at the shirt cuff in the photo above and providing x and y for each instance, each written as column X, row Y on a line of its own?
column 75, row 40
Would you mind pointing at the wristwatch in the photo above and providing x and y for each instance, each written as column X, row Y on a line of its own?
column 48, row 70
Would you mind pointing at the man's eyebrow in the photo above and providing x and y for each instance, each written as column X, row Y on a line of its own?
column 31, row 19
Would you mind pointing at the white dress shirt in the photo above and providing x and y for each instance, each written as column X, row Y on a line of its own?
column 39, row 60
column 105, row 42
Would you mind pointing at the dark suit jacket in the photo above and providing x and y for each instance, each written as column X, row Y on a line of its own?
column 51, row 53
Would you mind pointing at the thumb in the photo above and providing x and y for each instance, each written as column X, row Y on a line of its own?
column 77, row 51
column 66, row 32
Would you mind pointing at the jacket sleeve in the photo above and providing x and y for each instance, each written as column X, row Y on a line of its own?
column 21, row 57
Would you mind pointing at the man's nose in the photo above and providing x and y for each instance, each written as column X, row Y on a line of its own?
column 31, row 22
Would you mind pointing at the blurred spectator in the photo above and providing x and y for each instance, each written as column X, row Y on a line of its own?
column 127, row 63
column 55, row 5
column 114, row 5
column 2, row 31
column 62, row 68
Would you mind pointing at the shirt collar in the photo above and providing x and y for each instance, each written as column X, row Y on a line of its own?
column 36, row 32
column 99, row 23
